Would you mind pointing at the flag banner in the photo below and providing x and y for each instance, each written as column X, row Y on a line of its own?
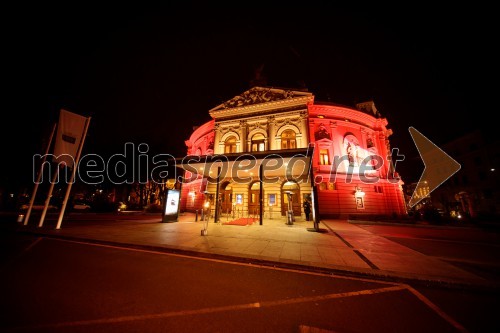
column 69, row 135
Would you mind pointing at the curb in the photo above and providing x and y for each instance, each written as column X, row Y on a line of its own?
column 396, row 224
column 383, row 276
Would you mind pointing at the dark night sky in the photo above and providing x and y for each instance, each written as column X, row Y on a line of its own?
column 147, row 74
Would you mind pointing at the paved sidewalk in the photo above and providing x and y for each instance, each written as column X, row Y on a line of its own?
column 340, row 247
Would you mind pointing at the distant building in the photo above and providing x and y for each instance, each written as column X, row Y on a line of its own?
column 353, row 173
column 419, row 193
column 474, row 191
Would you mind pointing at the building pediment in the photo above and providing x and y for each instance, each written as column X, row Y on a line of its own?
column 261, row 99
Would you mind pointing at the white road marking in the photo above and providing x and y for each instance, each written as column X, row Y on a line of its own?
column 394, row 287
column 246, row 306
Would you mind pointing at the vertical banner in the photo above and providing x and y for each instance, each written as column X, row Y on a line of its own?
column 69, row 136
column 71, row 131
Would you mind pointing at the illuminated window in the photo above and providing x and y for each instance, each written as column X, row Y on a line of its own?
column 230, row 145
column 324, row 158
column 288, row 140
column 258, row 142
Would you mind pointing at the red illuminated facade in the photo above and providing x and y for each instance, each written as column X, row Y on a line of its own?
column 353, row 174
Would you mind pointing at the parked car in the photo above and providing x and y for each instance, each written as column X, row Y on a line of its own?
column 79, row 205
column 37, row 207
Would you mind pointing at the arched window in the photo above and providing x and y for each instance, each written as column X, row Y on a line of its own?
column 230, row 145
column 288, row 140
column 258, row 142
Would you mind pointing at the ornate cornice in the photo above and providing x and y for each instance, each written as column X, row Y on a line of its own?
column 257, row 95
column 258, row 99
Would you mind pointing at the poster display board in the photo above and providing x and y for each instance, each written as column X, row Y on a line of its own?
column 171, row 206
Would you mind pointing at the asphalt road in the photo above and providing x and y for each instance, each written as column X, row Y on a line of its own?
column 473, row 249
column 53, row 285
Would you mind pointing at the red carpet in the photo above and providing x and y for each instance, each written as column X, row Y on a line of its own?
column 242, row 221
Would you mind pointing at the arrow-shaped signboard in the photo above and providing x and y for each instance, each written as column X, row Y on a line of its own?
column 439, row 166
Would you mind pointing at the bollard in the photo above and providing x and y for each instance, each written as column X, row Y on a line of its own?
column 196, row 218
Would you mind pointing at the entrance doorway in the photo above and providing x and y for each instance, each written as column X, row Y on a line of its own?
column 254, row 198
column 295, row 189
column 226, row 198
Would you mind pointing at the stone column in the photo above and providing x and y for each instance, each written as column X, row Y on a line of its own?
column 217, row 145
column 243, row 136
column 271, row 132
column 303, row 129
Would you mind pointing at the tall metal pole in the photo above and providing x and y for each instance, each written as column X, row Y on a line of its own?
column 39, row 177
column 49, row 195
column 73, row 174
column 315, row 199
column 217, row 197
column 261, row 195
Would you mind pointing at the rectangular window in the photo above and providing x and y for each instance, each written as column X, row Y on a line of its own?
column 272, row 199
column 228, row 149
column 288, row 144
column 258, row 146
column 324, row 158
